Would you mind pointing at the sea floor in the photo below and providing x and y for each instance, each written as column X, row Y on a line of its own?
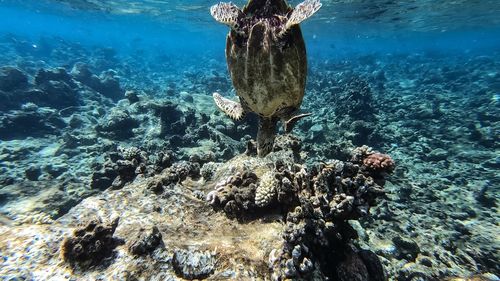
column 87, row 133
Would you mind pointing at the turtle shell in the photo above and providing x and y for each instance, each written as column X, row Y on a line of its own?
column 268, row 71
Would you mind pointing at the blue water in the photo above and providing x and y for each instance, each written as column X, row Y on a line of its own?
column 338, row 29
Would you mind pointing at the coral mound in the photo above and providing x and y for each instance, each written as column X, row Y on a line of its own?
column 316, row 203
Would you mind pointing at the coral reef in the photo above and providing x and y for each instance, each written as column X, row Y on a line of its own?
column 62, row 147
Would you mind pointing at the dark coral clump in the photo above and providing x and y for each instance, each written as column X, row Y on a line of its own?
column 235, row 195
column 174, row 174
column 317, row 236
column 90, row 245
column 126, row 164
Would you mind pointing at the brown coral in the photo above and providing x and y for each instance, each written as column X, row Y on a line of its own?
column 379, row 162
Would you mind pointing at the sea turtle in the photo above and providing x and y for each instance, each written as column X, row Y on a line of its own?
column 266, row 58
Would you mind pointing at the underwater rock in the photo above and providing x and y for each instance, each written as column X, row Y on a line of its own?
column 193, row 264
column 437, row 154
column 406, row 249
column 131, row 96
column 118, row 169
column 126, row 170
column 317, row 132
column 82, row 73
column 127, row 163
column 107, row 84
column 31, row 121
column 91, row 244
column 363, row 132
column 172, row 120
column 146, row 242
column 484, row 197
column 373, row 265
column 118, row 124
column 33, row 173
column 11, row 79
column 103, row 179
column 59, row 88
column 179, row 171
column 352, row 268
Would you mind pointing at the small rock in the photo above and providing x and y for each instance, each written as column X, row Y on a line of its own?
column 437, row 154
column 33, row 173
column 406, row 249
column 192, row 264
column 146, row 242
column 131, row 96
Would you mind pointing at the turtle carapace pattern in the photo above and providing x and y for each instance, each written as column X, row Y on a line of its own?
column 266, row 58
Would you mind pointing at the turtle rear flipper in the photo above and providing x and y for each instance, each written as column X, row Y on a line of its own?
column 301, row 12
column 231, row 108
column 228, row 14
column 288, row 124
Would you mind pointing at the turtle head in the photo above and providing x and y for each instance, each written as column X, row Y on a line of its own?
column 266, row 8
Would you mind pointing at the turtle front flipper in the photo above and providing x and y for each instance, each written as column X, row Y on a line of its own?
column 266, row 135
column 228, row 14
column 231, row 108
column 301, row 12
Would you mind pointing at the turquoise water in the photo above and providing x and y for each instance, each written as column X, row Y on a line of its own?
column 106, row 111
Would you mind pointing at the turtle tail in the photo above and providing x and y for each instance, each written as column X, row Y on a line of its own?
column 266, row 135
